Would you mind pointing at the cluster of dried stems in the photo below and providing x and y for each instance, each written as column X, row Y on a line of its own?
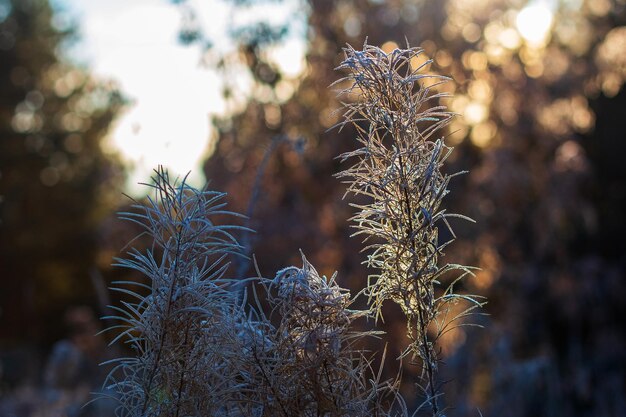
column 202, row 351
column 288, row 346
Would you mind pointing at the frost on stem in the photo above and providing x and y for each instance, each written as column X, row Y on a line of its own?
column 180, row 323
column 398, row 169
column 315, row 368
column 199, row 350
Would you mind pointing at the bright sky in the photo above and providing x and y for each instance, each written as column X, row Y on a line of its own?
column 135, row 44
column 173, row 96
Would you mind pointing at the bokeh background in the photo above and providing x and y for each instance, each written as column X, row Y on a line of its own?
column 538, row 86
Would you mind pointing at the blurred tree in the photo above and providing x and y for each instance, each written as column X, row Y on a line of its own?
column 56, row 180
column 540, row 88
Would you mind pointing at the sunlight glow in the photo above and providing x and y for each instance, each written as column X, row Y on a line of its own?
column 172, row 95
column 289, row 57
column 534, row 22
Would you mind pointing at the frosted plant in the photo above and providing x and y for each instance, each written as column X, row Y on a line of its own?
column 180, row 323
column 397, row 168
column 308, row 364
column 205, row 347
column 200, row 351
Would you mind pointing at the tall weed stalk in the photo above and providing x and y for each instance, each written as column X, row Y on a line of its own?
column 397, row 168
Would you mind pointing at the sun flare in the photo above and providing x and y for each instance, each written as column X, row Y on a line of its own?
column 534, row 22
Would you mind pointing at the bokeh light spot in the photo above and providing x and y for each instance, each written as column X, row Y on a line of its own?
column 471, row 32
column 477, row 61
column 599, row 7
column 534, row 70
column 480, row 90
column 476, row 112
column 49, row 176
column 533, row 23
column 509, row 38
column 443, row 58
column 389, row 46
column 418, row 60
column 352, row 26
column 483, row 133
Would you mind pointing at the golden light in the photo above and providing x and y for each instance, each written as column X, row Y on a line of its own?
column 570, row 156
column 475, row 60
column 533, row 22
column 173, row 95
column 480, row 90
column 459, row 103
column 471, row 32
column 599, row 7
column 476, row 113
column 419, row 60
column 389, row 46
column 534, row 70
column 496, row 54
column 458, row 132
column 443, row 58
column 509, row 38
column 611, row 84
column 483, row 133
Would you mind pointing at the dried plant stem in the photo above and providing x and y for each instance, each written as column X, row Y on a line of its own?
column 181, row 326
column 183, row 375
column 269, row 383
column 398, row 169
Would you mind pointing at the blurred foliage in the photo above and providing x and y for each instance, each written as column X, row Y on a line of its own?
column 539, row 87
column 56, row 181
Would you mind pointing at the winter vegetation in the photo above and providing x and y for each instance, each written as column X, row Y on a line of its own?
column 204, row 344
column 215, row 313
